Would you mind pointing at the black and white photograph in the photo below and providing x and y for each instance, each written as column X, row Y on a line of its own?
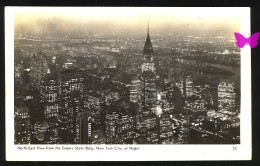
column 91, row 78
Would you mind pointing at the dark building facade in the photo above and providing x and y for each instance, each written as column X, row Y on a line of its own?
column 22, row 123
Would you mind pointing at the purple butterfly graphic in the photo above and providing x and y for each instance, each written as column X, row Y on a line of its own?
column 252, row 40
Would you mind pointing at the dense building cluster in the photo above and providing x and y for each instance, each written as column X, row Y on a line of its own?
column 85, row 101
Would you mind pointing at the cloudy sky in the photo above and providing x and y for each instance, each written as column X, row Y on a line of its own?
column 130, row 19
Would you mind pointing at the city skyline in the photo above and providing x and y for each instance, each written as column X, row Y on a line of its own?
column 74, row 85
column 97, row 104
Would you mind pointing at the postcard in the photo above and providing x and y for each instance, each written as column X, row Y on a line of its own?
column 128, row 83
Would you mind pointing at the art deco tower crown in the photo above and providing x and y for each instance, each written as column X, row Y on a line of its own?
column 148, row 64
column 148, row 48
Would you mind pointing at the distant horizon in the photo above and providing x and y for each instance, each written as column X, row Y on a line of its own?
column 59, row 21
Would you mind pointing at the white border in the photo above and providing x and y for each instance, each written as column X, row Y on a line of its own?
column 146, row 152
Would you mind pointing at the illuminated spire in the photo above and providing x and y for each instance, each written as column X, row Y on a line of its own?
column 148, row 48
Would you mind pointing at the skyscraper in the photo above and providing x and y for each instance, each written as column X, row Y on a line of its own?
column 39, row 68
column 22, row 123
column 147, row 118
column 120, row 123
column 148, row 74
column 135, row 89
column 84, row 130
column 49, row 96
column 71, row 91
column 226, row 96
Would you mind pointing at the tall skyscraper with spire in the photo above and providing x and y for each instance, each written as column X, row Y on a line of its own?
column 148, row 73
column 147, row 118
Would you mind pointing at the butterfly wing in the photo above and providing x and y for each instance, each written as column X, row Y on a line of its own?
column 241, row 40
column 253, row 40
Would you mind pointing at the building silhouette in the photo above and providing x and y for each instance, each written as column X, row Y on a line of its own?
column 22, row 123
column 71, row 91
column 148, row 74
column 147, row 120
column 39, row 68
column 84, row 131
column 49, row 96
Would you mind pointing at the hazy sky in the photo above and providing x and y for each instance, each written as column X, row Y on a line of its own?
column 131, row 20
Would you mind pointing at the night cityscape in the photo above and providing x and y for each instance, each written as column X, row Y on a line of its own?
column 150, row 87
